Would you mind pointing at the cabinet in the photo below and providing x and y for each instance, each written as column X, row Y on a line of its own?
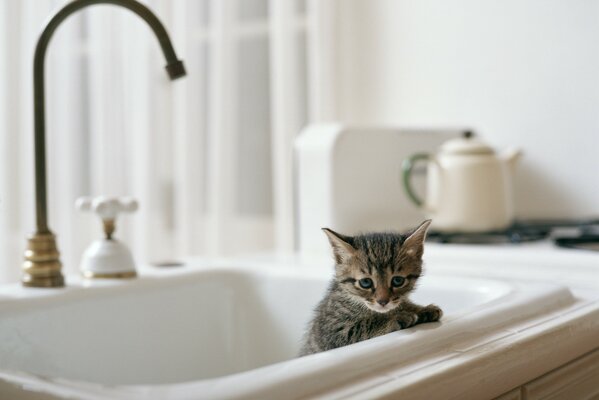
column 577, row 380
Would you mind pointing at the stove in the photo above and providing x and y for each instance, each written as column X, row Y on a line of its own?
column 576, row 234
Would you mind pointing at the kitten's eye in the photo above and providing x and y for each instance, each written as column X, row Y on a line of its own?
column 398, row 281
column 365, row 283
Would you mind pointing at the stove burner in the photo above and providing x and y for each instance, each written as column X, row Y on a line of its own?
column 582, row 242
column 586, row 234
column 515, row 234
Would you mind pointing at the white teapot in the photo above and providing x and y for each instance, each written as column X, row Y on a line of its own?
column 469, row 186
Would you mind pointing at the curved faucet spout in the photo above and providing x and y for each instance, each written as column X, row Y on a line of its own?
column 42, row 267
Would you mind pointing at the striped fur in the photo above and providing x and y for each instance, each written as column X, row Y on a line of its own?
column 350, row 313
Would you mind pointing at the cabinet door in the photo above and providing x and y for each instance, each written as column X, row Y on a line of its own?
column 578, row 379
column 512, row 395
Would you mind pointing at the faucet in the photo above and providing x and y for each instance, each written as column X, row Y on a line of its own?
column 42, row 266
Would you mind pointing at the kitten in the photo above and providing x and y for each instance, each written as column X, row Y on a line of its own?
column 368, row 296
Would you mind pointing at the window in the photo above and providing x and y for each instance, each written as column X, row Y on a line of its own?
column 208, row 156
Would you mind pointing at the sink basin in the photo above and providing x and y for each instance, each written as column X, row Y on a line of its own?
column 228, row 331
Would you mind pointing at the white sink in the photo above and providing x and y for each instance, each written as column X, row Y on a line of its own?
column 214, row 327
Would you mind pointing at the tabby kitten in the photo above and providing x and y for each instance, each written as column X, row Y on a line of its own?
column 368, row 296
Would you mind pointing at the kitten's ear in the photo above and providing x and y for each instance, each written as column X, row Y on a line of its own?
column 342, row 249
column 413, row 245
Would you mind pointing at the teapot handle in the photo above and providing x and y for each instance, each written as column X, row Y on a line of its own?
column 406, row 168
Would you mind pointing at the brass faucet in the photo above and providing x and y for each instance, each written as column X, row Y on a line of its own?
column 42, row 266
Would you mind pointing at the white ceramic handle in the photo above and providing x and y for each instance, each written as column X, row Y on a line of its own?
column 107, row 208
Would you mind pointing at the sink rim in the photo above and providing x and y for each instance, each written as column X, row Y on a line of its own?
column 307, row 368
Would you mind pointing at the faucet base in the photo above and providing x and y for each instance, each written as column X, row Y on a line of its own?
column 113, row 275
column 42, row 267
column 43, row 282
column 107, row 259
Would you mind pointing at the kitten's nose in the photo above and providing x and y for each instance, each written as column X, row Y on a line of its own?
column 383, row 302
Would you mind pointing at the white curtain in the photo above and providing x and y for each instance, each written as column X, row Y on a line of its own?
column 208, row 156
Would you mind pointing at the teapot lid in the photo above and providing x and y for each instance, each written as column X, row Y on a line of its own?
column 466, row 145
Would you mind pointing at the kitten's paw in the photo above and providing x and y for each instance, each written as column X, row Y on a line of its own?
column 407, row 319
column 430, row 313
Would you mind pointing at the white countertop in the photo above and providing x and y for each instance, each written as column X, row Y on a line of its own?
column 541, row 261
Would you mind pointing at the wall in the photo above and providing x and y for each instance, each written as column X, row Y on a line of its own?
column 522, row 73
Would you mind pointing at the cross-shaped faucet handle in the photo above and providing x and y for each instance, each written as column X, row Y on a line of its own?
column 107, row 208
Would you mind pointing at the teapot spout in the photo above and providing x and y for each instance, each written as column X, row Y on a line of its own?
column 511, row 157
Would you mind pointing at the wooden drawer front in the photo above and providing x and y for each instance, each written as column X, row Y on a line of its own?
column 578, row 380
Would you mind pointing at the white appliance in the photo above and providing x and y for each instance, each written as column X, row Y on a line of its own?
column 349, row 179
